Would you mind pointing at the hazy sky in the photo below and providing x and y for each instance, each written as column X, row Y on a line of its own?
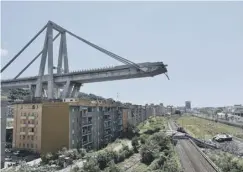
column 202, row 43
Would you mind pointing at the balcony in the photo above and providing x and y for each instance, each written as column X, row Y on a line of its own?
column 86, row 142
column 22, row 133
column 31, row 125
column 23, row 117
column 31, row 117
column 31, row 133
column 23, row 125
column 107, row 124
column 107, row 118
column 86, row 132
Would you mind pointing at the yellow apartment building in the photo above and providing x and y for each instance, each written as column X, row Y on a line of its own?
column 41, row 127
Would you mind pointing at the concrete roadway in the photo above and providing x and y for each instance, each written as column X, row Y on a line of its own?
column 191, row 159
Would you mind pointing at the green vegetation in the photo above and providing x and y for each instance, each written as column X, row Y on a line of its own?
column 158, row 154
column 62, row 157
column 151, row 126
column 135, row 144
column 140, row 167
column 227, row 162
column 206, row 129
column 106, row 159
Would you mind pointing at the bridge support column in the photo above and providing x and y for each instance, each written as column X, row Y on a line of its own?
column 39, row 88
column 50, row 89
column 67, row 89
column 75, row 90
column 32, row 90
column 63, row 57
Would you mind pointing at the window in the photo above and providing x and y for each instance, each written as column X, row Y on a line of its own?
column 20, row 137
column 36, row 146
column 28, row 137
column 27, row 145
column 33, row 106
column 89, row 109
column 32, row 146
column 23, row 145
column 23, row 137
column 73, row 142
column 32, row 137
column 32, row 130
column 19, row 144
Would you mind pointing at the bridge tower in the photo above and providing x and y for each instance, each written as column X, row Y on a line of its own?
column 53, row 90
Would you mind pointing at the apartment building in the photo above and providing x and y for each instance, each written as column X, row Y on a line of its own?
column 41, row 126
column 93, row 124
column 4, row 105
column 133, row 115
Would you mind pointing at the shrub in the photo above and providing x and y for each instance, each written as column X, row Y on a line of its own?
column 91, row 165
column 135, row 144
column 102, row 159
column 75, row 169
column 147, row 154
column 112, row 167
column 121, row 157
column 228, row 162
column 82, row 152
column 46, row 158
column 171, row 165
column 142, row 140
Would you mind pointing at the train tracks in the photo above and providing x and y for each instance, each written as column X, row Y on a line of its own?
column 192, row 158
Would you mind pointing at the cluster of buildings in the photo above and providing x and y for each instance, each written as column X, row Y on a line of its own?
column 44, row 126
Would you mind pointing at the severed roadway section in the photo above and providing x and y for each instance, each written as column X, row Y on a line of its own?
column 191, row 159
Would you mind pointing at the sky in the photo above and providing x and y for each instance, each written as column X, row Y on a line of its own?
column 201, row 42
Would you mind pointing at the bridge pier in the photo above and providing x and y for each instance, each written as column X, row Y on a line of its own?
column 75, row 90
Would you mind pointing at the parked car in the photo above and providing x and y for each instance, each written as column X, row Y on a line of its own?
column 222, row 137
column 8, row 158
column 16, row 153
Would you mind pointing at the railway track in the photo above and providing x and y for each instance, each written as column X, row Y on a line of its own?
column 192, row 158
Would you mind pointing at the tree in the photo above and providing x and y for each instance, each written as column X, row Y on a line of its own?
column 91, row 165
column 82, row 152
column 112, row 167
column 102, row 159
column 135, row 144
column 149, row 152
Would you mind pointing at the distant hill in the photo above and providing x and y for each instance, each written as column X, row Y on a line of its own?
column 23, row 93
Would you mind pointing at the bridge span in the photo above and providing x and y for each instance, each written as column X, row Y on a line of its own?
column 71, row 82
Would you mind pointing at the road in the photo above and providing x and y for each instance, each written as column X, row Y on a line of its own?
column 191, row 159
